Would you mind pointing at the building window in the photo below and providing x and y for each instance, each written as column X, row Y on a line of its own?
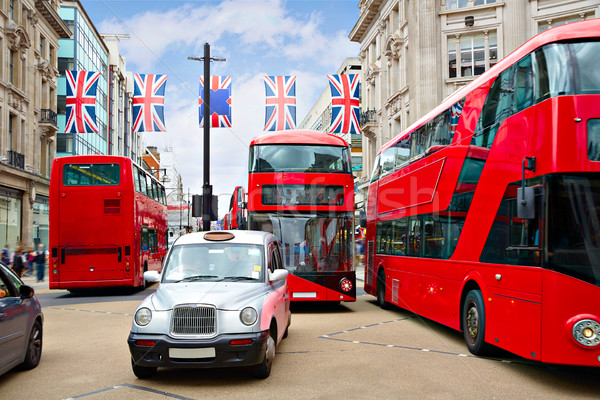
column 12, row 66
column 11, row 9
column 65, row 64
column 42, row 46
column 481, row 2
column 454, row 4
column 545, row 25
column 478, row 52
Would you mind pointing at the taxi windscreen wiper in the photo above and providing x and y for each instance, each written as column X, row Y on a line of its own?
column 197, row 278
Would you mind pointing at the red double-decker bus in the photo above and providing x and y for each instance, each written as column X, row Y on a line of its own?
column 236, row 218
column 484, row 214
column 108, row 222
column 300, row 187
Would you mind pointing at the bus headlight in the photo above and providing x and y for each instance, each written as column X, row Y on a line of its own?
column 587, row 332
column 248, row 316
column 143, row 316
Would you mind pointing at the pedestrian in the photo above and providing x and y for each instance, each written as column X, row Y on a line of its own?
column 17, row 264
column 30, row 258
column 6, row 254
column 40, row 263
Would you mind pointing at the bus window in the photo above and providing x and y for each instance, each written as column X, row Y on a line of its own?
column 586, row 58
column 149, row 191
column 145, row 238
column 414, row 237
column 402, row 151
column 376, row 169
column 91, row 174
column 523, row 84
column 142, row 181
column 136, row 179
column 388, row 160
column 552, row 72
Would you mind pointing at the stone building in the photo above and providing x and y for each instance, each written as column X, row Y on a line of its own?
column 415, row 53
column 29, row 34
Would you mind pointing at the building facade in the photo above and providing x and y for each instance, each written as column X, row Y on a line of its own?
column 414, row 54
column 30, row 31
column 85, row 51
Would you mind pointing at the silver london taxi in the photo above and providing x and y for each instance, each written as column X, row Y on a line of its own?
column 222, row 301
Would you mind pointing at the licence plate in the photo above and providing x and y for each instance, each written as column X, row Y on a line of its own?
column 206, row 352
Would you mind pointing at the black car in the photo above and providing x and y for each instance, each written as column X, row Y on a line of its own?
column 21, row 322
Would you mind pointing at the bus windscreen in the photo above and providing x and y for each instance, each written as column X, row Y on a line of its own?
column 91, row 174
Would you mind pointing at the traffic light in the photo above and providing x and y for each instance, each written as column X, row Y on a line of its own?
column 197, row 211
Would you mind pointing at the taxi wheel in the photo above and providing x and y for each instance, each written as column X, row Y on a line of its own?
column 263, row 370
column 34, row 347
column 143, row 372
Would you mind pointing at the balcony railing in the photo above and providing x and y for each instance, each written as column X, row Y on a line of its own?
column 16, row 160
column 48, row 117
column 368, row 116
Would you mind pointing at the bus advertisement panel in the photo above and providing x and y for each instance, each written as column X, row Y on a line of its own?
column 484, row 215
column 108, row 223
column 300, row 188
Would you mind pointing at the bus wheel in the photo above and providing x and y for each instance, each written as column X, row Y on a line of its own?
column 381, row 291
column 144, row 283
column 473, row 323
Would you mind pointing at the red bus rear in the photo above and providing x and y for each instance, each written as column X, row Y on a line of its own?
column 108, row 222
column 484, row 214
column 236, row 218
column 300, row 188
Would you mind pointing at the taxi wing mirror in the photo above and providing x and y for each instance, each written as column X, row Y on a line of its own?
column 152, row 276
column 278, row 275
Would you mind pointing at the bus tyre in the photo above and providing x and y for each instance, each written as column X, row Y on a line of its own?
column 263, row 370
column 143, row 372
column 473, row 323
column 381, row 291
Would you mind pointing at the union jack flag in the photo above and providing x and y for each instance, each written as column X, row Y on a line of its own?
column 81, row 101
column 280, row 103
column 344, row 103
column 149, row 103
column 220, row 102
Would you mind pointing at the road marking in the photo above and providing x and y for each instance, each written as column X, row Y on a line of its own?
column 89, row 311
column 331, row 336
column 135, row 387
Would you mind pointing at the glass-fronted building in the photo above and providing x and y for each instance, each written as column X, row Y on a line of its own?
column 86, row 51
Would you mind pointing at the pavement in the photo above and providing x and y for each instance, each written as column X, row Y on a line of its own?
column 38, row 287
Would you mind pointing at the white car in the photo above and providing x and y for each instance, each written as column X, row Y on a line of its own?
column 222, row 301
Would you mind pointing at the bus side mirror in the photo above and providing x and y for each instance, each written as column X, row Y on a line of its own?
column 525, row 203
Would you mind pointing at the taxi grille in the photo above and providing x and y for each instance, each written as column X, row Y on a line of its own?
column 194, row 320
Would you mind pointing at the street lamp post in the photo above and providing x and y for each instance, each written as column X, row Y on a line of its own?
column 206, row 188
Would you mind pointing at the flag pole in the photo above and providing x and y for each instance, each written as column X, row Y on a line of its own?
column 206, row 187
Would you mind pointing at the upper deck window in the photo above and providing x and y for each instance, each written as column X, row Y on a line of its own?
column 299, row 158
column 91, row 174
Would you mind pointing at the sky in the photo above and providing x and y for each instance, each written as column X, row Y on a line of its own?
column 308, row 39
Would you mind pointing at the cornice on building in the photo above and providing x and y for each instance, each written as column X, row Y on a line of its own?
column 369, row 10
column 46, row 9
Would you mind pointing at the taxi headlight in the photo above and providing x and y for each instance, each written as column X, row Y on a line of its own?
column 248, row 316
column 143, row 316
column 587, row 332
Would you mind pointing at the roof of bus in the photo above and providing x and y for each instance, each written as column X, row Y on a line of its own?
column 91, row 158
column 582, row 29
column 299, row 137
